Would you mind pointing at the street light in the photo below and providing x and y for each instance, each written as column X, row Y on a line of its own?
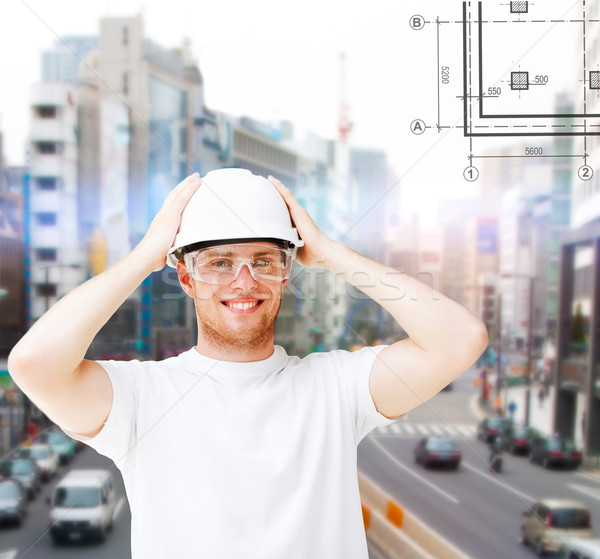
column 529, row 341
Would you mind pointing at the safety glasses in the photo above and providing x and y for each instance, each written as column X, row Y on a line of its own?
column 220, row 265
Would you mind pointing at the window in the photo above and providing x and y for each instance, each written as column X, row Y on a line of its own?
column 561, row 212
column 553, row 273
column 45, row 219
column 45, row 255
column 125, row 87
column 562, row 181
column 46, row 111
column 47, row 148
column 554, row 242
column 47, row 183
column 45, row 290
column 125, row 35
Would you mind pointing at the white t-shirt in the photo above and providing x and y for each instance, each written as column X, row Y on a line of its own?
column 255, row 460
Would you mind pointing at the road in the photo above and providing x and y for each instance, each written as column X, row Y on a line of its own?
column 478, row 511
column 32, row 540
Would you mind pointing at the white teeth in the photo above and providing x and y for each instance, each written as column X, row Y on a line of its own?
column 241, row 306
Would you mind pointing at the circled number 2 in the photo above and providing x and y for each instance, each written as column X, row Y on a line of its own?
column 585, row 172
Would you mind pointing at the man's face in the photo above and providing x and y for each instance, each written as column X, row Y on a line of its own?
column 238, row 315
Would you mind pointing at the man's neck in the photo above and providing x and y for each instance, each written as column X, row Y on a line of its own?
column 236, row 354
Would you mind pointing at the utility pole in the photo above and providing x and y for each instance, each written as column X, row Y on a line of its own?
column 529, row 350
column 529, row 343
column 499, row 352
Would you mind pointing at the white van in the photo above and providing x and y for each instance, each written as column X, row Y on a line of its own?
column 82, row 506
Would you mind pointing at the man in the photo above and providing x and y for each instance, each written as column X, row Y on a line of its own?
column 233, row 449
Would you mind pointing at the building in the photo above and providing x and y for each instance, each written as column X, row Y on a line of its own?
column 577, row 413
column 453, row 217
column 12, row 287
column 61, row 63
column 55, row 260
column 138, row 125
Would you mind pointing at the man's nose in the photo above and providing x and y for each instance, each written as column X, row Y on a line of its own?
column 244, row 277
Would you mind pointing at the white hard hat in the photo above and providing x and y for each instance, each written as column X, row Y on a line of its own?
column 236, row 206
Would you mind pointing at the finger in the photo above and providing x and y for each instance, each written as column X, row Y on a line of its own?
column 181, row 194
column 281, row 188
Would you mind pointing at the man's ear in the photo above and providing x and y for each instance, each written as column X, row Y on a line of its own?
column 185, row 280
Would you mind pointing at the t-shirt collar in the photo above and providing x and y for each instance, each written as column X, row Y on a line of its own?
column 197, row 363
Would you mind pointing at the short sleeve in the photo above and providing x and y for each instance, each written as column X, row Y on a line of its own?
column 117, row 439
column 355, row 370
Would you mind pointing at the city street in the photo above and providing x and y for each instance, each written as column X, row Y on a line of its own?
column 32, row 540
column 478, row 511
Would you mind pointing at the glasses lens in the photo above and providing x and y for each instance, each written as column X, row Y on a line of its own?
column 221, row 265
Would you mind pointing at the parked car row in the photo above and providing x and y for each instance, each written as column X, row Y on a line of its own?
column 561, row 527
column 13, row 501
column 548, row 451
column 28, row 466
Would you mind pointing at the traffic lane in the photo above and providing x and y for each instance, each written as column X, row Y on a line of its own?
column 32, row 540
column 494, row 504
column 484, row 522
column 523, row 477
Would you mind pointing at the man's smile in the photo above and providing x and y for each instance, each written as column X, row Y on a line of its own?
column 244, row 306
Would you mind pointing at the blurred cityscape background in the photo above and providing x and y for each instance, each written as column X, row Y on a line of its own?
column 116, row 120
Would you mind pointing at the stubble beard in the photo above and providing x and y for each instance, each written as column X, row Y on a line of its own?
column 240, row 339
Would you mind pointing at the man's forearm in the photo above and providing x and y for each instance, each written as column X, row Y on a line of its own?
column 431, row 320
column 59, row 340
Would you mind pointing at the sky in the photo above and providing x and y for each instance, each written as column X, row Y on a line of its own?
column 276, row 60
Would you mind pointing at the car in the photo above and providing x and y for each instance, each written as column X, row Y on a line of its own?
column 554, row 451
column 492, row 427
column 546, row 524
column 13, row 501
column 62, row 444
column 517, row 439
column 439, row 451
column 24, row 470
column 574, row 548
column 45, row 457
column 83, row 506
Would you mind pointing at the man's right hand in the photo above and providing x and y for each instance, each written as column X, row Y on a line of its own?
column 162, row 231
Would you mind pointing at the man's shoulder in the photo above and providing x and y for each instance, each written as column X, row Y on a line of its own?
column 337, row 357
column 145, row 365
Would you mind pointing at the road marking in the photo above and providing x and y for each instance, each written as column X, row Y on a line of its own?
column 427, row 429
column 409, row 428
column 10, row 554
column 588, row 476
column 466, row 430
column 498, row 480
column 586, row 490
column 118, row 508
column 395, row 429
column 436, row 429
column 449, row 430
column 422, row 428
column 385, row 451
